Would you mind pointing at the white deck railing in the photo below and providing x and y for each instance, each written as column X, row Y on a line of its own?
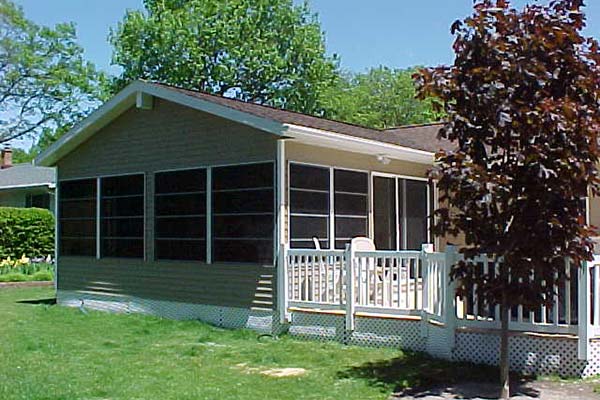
column 386, row 282
column 316, row 277
column 561, row 317
column 417, row 283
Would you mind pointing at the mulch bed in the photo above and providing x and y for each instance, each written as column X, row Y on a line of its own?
column 5, row 285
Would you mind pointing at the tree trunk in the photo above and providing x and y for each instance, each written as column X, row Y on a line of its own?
column 504, row 363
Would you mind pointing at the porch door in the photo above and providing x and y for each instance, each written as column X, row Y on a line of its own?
column 400, row 213
column 385, row 217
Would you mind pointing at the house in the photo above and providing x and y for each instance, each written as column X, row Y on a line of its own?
column 25, row 185
column 193, row 206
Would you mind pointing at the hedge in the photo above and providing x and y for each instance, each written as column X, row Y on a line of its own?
column 28, row 231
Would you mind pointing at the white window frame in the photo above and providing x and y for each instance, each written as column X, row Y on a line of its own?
column 331, row 215
column 402, row 239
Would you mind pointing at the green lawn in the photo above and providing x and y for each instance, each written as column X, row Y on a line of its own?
column 51, row 352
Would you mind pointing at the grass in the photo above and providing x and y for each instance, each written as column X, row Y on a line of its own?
column 52, row 352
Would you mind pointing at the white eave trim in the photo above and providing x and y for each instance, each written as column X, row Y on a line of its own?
column 50, row 185
column 318, row 137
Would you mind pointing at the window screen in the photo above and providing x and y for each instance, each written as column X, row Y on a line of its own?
column 350, row 205
column 384, row 212
column 38, row 200
column 309, row 205
column 180, row 215
column 77, row 217
column 415, row 213
column 122, row 216
column 243, row 204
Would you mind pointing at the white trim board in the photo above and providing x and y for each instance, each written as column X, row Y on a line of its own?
column 130, row 95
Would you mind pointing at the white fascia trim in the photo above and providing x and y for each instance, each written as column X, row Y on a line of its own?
column 50, row 185
column 355, row 144
column 126, row 98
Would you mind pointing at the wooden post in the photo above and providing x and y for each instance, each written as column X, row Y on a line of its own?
column 427, row 293
column 349, row 265
column 280, row 233
column 584, row 308
column 449, row 305
column 282, row 284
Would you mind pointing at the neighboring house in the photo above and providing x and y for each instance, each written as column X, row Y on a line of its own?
column 25, row 185
column 189, row 205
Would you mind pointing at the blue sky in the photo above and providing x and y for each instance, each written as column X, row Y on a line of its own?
column 365, row 33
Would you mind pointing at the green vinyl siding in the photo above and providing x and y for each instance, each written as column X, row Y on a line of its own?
column 148, row 141
column 227, row 285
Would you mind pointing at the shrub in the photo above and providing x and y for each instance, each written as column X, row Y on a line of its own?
column 42, row 276
column 16, row 277
column 28, row 231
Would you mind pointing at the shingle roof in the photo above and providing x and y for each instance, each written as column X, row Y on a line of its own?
column 24, row 175
column 420, row 137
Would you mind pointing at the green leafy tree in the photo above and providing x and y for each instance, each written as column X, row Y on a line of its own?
column 45, row 83
column 522, row 107
column 22, row 156
column 264, row 51
column 380, row 98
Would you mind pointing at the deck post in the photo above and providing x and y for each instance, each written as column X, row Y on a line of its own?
column 282, row 285
column 427, row 305
column 584, row 307
column 449, row 293
column 280, row 233
column 349, row 264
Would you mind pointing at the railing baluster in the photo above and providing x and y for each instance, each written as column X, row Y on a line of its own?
column 376, row 281
column 544, row 310
column 555, row 303
column 567, row 292
column 497, row 306
column 474, row 294
column 596, row 292
column 416, row 283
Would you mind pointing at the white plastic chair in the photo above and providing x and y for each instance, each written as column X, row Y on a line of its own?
column 316, row 242
column 366, row 273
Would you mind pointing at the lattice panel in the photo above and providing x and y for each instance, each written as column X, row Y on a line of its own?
column 380, row 332
column 437, row 342
column 225, row 317
column 527, row 354
column 593, row 366
column 321, row 327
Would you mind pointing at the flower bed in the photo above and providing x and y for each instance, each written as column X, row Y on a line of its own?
column 25, row 269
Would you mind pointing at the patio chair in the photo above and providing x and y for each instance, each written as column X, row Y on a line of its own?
column 365, row 273
column 375, row 280
column 308, row 286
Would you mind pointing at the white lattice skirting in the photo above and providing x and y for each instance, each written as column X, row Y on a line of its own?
column 528, row 353
column 225, row 317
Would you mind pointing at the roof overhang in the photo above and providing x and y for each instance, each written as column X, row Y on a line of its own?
column 136, row 94
column 321, row 138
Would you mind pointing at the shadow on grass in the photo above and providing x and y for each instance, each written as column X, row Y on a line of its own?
column 419, row 375
column 50, row 301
